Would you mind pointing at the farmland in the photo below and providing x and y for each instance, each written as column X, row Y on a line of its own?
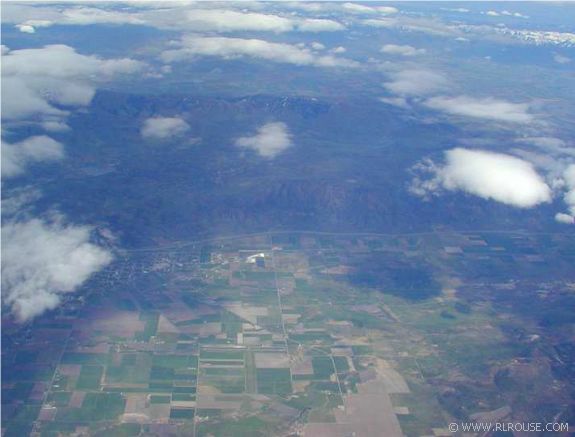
column 302, row 333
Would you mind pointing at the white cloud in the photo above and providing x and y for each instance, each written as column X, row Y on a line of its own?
column 25, row 28
column 557, row 161
column 170, row 15
column 560, row 59
column 229, row 21
column 160, row 128
column 552, row 145
column 400, row 102
column 564, row 218
column 544, row 142
column 402, row 50
column 347, row 8
column 541, row 161
column 232, row 48
column 461, row 10
column 318, row 25
column 317, row 46
column 415, row 82
column 460, row 31
column 16, row 157
column 81, row 15
column 496, row 33
column 305, row 6
column 489, row 175
column 38, row 82
column 55, row 126
column 47, row 15
column 16, row 201
column 23, row 98
column 338, row 49
column 270, row 140
column 503, row 34
column 43, row 260
column 37, row 23
column 404, row 23
column 569, row 196
column 63, row 62
column 569, row 176
column 356, row 8
column 487, row 108
column 514, row 14
column 492, row 13
column 381, row 22
column 387, row 9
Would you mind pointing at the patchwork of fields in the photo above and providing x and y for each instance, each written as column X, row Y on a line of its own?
column 302, row 334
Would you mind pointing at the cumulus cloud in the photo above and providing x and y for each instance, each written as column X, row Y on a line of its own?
column 569, row 196
column 270, row 140
column 46, row 15
column 560, row 59
column 305, row 6
column 401, row 50
column 317, row 46
column 171, row 15
column 400, row 102
column 338, row 7
column 495, row 176
column 17, row 201
column 387, row 9
column 63, row 62
column 513, row 14
column 461, row 10
column 541, row 161
column 82, row 15
column 488, row 108
column 555, row 156
column 24, row 99
column 55, row 125
column 404, row 23
column 160, row 128
column 567, row 219
column 386, row 23
column 25, row 28
column 552, row 145
column 460, row 31
column 40, row 81
column 229, row 21
column 233, row 48
column 318, row 25
column 16, row 157
column 356, row 8
column 415, row 82
column 42, row 260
